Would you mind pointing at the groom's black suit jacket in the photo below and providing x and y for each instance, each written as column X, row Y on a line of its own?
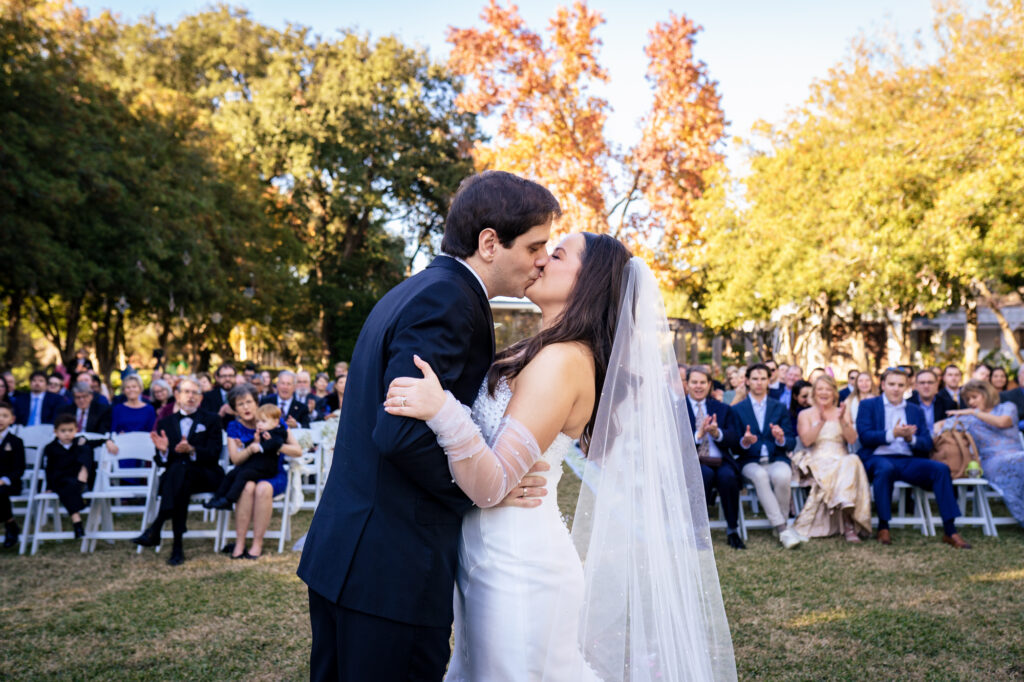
column 384, row 538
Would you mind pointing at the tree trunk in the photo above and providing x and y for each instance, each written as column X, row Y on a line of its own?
column 971, row 345
column 1004, row 326
column 13, row 331
column 826, row 331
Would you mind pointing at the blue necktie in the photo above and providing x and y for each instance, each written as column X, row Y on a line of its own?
column 33, row 413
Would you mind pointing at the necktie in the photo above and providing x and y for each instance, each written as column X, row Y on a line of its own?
column 33, row 414
column 81, row 420
column 702, row 447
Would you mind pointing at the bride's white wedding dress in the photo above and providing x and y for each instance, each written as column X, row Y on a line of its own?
column 520, row 581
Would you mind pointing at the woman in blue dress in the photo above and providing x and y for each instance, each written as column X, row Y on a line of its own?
column 993, row 425
column 133, row 414
column 255, row 506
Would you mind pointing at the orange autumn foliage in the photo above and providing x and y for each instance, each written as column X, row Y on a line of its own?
column 550, row 125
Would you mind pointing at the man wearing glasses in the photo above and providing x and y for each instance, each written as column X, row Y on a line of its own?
column 216, row 399
column 188, row 446
column 926, row 389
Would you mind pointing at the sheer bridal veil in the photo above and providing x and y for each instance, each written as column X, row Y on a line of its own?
column 653, row 605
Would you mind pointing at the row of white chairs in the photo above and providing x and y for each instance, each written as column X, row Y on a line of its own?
column 127, row 484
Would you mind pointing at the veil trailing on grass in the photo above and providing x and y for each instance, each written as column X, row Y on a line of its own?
column 653, row 605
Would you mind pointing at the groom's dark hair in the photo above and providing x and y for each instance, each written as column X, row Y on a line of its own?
column 507, row 203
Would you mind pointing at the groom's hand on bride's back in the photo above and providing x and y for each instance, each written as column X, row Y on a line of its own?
column 529, row 491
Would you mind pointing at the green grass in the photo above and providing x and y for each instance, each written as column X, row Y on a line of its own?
column 917, row 610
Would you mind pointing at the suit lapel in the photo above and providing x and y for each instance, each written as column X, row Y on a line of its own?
column 462, row 271
column 751, row 417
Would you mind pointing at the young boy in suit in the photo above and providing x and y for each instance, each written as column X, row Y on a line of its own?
column 68, row 461
column 12, row 467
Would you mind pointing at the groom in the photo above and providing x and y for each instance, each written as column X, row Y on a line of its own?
column 381, row 554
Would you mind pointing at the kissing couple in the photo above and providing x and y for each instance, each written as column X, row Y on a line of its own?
column 440, row 505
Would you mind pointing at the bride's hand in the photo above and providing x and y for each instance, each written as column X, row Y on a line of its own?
column 415, row 398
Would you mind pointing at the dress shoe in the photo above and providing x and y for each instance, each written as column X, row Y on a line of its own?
column 884, row 537
column 243, row 555
column 148, row 538
column 177, row 558
column 735, row 541
column 11, row 533
column 79, row 531
column 219, row 503
column 789, row 539
column 956, row 541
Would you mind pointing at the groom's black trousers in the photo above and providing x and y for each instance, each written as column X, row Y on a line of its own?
column 350, row 646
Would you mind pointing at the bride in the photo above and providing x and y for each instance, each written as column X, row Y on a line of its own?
column 645, row 602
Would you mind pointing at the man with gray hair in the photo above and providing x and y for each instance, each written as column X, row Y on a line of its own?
column 293, row 410
column 90, row 416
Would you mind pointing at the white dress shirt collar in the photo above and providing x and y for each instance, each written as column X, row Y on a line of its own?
column 475, row 274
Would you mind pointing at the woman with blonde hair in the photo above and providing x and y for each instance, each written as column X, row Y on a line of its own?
column 993, row 425
column 840, row 498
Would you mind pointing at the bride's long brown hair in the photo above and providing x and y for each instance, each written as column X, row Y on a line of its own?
column 589, row 317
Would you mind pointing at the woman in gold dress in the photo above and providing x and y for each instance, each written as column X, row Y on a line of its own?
column 840, row 498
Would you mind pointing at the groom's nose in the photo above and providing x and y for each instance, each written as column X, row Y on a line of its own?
column 541, row 261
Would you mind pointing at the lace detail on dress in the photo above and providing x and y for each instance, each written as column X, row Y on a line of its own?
column 488, row 412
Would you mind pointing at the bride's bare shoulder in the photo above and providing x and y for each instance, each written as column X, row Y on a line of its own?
column 568, row 357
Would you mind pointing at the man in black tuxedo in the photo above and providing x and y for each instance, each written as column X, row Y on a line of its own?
column 188, row 444
column 89, row 415
column 295, row 411
column 949, row 394
column 38, row 406
column 215, row 400
column 716, row 432
column 925, row 396
column 381, row 554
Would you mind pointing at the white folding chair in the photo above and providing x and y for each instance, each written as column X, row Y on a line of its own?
column 994, row 493
column 117, row 482
column 922, row 516
column 44, row 504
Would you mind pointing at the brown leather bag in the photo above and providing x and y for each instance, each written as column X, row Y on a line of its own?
column 955, row 447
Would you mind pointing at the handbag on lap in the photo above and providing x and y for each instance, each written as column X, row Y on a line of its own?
column 955, row 447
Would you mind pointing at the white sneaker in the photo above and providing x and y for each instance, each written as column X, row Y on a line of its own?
column 789, row 539
column 800, row 536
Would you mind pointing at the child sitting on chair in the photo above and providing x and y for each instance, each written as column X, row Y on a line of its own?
column 68, row 462
column 261, row 464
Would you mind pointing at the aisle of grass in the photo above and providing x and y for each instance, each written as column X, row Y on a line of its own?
column 916, row 610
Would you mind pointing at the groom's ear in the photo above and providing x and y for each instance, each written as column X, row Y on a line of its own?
column 487, row 244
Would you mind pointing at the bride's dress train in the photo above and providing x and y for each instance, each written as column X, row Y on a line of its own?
column 519, row 588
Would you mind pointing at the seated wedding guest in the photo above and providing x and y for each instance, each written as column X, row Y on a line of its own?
column 839, row 501
column 334, row 400
column 249, row 371
column 982, row 373
column 215, row 401
column 320, row 384
column 255, row 504
column 6, row 391
column 303, row 384
column 12, row 468
column 38, row 406
column 259, row 461
column 82, row 362
column 205, row 382
column 815, row 373
column 802, row 393
column 949, row 393
column 68, row 462
column 1015, row 396
column 762, row 451
column 133, row 414
column 93, row 382
column 773, row 378
column 188, row 447
column 268, row 384
column 682, row 375
column 994, row 427
column 737, row 385
column 716, row 433
column 863, row 387
column 784, row 393
column 926, row 390
column 55, row 384
column 851, row 379
column 895, row 446
column 99, row 387
column 999, row 379
column 162, row 398
column 89, row 416
column 257, row 383
column 339, row 369
column 295, row 411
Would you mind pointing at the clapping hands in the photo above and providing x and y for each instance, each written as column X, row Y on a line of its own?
column 904, row 431
column 748, row 439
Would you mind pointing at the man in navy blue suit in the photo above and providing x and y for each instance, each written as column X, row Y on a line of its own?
column 38, row 406
column 784, row 393
column 763, row 451
column 380, row 558
column 716, row 433
column 895, row 446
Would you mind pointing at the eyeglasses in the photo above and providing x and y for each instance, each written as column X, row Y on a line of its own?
column 189, row 391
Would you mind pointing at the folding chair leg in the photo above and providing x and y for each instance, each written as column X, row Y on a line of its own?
column 921, row 499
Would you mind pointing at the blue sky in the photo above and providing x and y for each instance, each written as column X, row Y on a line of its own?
column 764, row 55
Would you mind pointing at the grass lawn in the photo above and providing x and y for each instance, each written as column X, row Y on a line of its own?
column 917, row 610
